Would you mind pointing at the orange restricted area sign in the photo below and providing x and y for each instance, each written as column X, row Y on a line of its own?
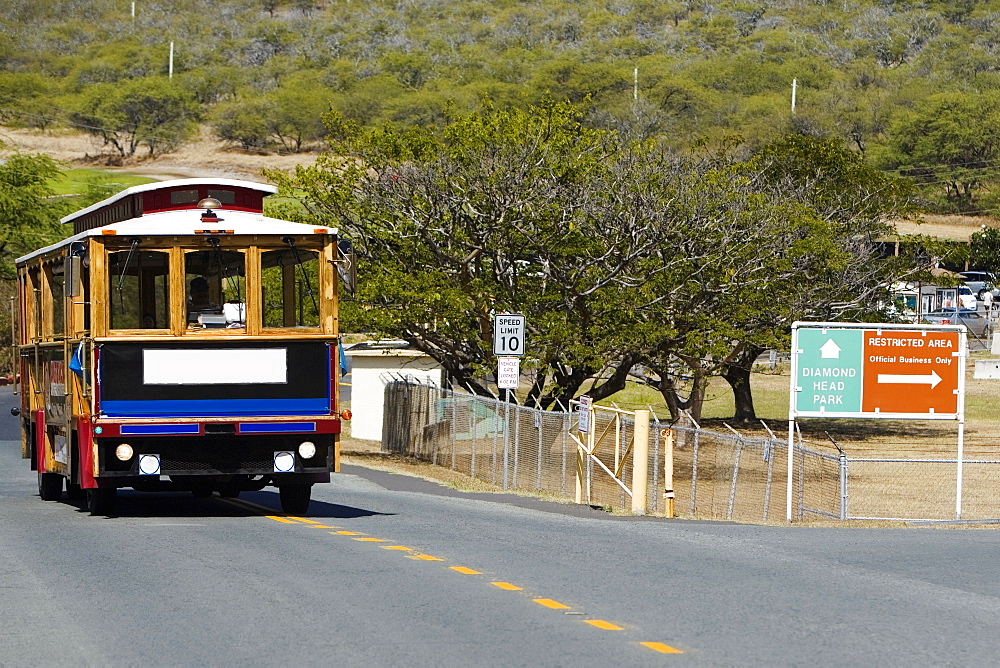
column 911, row 371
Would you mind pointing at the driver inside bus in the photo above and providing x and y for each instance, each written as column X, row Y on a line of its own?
column 199, row 301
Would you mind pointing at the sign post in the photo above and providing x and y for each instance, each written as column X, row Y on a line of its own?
column 877, row 370
column 508, row 346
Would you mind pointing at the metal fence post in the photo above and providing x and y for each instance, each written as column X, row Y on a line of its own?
column 579, row 474
column 843, row 485
column 506, row 442
column 736, row 473
column 694, row 472
column 640, row 463
column 517, row 441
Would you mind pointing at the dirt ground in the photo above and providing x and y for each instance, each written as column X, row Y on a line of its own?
column 205, row 156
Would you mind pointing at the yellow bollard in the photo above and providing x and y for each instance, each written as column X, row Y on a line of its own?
column 640, row 463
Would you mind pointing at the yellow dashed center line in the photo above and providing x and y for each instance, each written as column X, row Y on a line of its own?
column 549, row 603
column 546, row 602
column 660, row 647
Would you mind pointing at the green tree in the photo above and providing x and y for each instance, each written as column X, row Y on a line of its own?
column 950, row 141
column 516, row 211
column 151, row 112
column 244, row 123
column 984, row 249
column 29, row 218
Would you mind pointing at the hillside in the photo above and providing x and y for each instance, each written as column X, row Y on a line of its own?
column 260, row 74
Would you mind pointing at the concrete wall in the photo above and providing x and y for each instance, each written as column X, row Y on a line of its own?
column 369, row 371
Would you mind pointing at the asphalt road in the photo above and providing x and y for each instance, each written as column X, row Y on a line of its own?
column 386, row 570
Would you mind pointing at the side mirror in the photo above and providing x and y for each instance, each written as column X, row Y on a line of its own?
column 74, row 276
column 347, row 265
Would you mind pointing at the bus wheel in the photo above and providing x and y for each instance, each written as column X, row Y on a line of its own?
column 74, row 492
column 101, row 500
column 229, row 490
column 295, row 498
column 50, row 486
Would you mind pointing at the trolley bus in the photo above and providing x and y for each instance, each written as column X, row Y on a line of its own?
column 180, row 339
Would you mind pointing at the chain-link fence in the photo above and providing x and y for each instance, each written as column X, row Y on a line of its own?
column 713, row 475
column 515, row 447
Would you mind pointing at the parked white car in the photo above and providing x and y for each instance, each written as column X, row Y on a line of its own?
column 967, row 298
column 979, row 282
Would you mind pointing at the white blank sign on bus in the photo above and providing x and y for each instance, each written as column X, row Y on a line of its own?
column 233, row 366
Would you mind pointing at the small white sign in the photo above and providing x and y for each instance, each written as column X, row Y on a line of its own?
column 583, row 414
column 508, row 334
column 508, row 373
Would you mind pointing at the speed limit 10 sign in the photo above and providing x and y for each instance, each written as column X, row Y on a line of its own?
column 508, row 334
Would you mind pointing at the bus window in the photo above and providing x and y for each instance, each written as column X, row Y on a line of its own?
column 138, row 294
column 56, row 301
column 216, row 281
column 35, row 304
column 290, row 279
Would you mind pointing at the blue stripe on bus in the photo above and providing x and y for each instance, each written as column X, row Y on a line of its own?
column 216, row 407
column 275, row 427
column 158, row 429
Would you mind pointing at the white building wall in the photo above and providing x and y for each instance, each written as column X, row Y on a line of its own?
column 369, row 371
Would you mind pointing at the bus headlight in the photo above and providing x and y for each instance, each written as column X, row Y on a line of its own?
column 284, row 462
column 124, row 452
column 149, row 465
column 307, row 450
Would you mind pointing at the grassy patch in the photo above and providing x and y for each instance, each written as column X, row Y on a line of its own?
column 81, row 181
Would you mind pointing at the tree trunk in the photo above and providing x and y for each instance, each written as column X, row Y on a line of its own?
column 737, row 374
column 695, row 401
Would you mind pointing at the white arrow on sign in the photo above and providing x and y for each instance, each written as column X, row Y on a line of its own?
column 830, row 350
column 931, row 379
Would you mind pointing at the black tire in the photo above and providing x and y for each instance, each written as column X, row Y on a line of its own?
column 295, row 498
column 74, row 492
column 50, row 486
column 229, row 491
column 101, row 500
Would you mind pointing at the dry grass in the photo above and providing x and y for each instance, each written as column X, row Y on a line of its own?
column 958, row 228
column 204, row 156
